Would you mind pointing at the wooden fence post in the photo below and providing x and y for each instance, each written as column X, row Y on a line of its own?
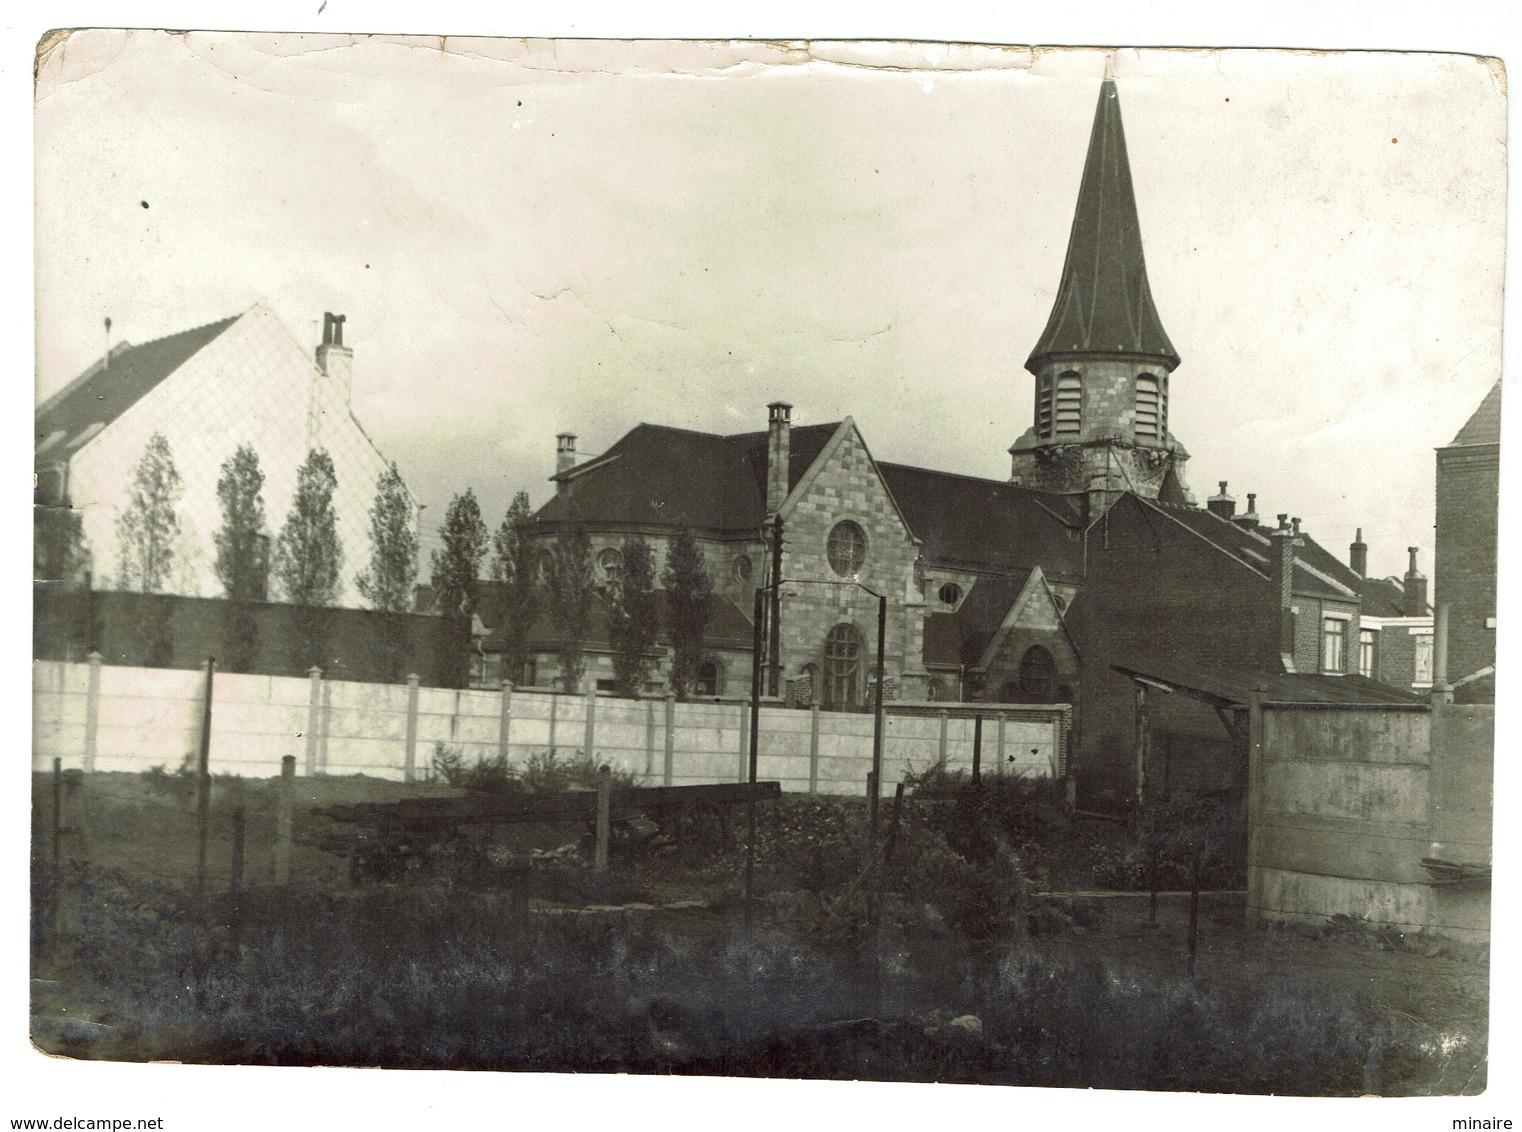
column 554, row 704
column 604, row 818
column 589, row 738
column 283, row 814
column 409, row 768
column 235, row 924
column 977, row 749
column 649, row 740
column 814, row 747
column 92, row 713
column 504, row 728
column 670, row 766
column 314, row 706
column 56, row 893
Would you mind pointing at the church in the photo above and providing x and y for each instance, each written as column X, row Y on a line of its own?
column 1090, row 567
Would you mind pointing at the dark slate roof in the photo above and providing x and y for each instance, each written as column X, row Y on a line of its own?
column 1104, row 303
column 1252, row 547
column 675, row 475
column 1484, row 427
column 962, row 637
column 1386, row 597
column 106, row 391
column 1232, row 687
column 987, row 524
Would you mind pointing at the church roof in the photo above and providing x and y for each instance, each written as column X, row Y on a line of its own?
column 1484, row 427
column 656, row 474
column 987, row 524
column 962, row 637
column 1104, row 304
column 113, row 385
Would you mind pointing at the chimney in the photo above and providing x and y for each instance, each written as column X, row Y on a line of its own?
column 778, row 448
column 1416, row 588
column 1248, row 520
column 1222, row 505
column 334, row 359
column 565, row 454
column 1281, row 543
column 1358, row 555
column 1294, row 525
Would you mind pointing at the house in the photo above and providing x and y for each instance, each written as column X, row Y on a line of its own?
column 1396, row 633
column 1464, row 567
column 207, row 390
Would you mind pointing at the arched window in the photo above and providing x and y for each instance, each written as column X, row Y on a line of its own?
column 842, row 667
column 937, row 690
column 546, row 566
column 743, row 567
column 1149, row 408
column 1037, row 675
column 710, row 679
column 1068, row 409
column 847, row 548
column 611, row 563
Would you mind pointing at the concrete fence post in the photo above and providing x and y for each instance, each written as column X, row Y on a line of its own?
column 409, row 768
column 92, row 713
column 554, row 704
column 670, row 765
column 814, row 747
column 505, row 725
column 588, row 743
column 604, row 819
column 1058, row 762
column 944, row 717
column 284, row 813
column 743, row 774
column 649, row 740
column 314, row 706
column 1003, row 719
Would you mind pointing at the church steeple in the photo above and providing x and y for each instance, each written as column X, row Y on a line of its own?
column 1104, row 305
column 1103, row 363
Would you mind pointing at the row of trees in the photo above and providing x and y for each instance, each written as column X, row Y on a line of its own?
column 308, row 557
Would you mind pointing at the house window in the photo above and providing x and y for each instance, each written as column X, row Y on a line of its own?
column 1149, row 408
column 1423, row 673
column 611, row 563
column 743, row 568
column 951, row 593
column 546, row 566
column 1333, row 644
column 842, row 666
column 1366, row 652
column 847, row 548
column 1068, row 415
column 1037, row 674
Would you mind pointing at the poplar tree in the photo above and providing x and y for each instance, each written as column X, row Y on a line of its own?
column 634, row 619
column 456, row 570
column 242, row 563
column 309, row 555
column 571, row 598
column 148, row 530
column 387, row 583
column 516, row 571
column 689, row 597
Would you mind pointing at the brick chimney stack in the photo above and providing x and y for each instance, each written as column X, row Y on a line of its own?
column 1416, row 588
column 334, row 359
column 1358, row 555
column 778, row 453
column 565, row 455
column 1248, row 520
column 1281, row 543
column 1223, row 506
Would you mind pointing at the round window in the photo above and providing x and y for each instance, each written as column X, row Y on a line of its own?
column 847, row 548
column 951, row 593
column 743, row 568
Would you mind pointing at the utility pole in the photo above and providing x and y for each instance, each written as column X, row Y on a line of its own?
column 773, row 680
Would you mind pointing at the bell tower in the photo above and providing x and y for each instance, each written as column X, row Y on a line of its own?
column 1103, row 363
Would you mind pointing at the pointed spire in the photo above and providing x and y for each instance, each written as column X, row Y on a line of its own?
column 1104, row 305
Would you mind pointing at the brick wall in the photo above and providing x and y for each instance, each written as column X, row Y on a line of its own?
column 1464, row 568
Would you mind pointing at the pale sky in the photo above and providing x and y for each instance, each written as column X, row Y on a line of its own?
column 530, row 237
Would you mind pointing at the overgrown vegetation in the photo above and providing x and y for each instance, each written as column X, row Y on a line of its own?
column 545, row 771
